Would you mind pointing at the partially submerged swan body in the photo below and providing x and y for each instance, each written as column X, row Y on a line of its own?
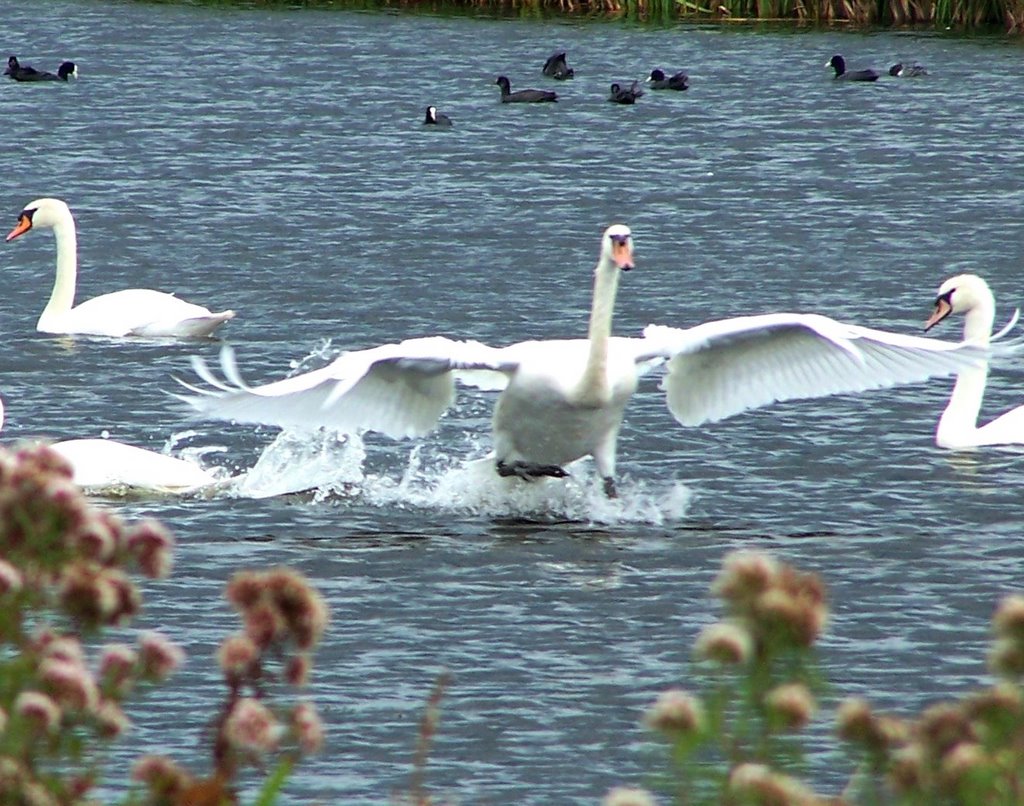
column 132, row 312
column 562, row 400
column 958, row 428
column 105, row 464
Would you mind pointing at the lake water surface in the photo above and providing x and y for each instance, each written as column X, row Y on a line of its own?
column 274, row 162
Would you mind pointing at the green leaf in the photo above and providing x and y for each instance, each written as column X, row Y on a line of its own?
column 272, row 787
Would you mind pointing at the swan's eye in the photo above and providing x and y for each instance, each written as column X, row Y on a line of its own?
column 26, row 213
column 947, row 297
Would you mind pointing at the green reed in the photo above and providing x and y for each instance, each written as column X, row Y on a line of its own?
column 958, row 15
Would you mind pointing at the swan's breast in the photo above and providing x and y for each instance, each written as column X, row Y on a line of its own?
column 543, row 417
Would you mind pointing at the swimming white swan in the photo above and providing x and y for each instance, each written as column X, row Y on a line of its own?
column 564, row 399
column 132, row 312
column 958, row 427
column 104, row 464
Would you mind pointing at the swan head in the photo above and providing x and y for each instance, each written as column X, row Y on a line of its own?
column 40, row 213
column 617, row 247
column 961, row 294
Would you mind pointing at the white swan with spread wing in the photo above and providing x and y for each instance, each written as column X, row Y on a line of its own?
column 104, row 464
column 132, row 312
column 958, row 426
column 564, row 399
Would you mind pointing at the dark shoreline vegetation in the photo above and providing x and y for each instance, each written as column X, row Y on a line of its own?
column 922, row 15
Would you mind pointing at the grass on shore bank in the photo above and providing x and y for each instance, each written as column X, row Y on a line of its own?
column 958, row 15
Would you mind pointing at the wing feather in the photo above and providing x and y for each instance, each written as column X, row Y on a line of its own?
column 400, row 390
column 721, row 368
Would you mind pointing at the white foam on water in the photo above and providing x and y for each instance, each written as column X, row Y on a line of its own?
column 325, row 463
column 474, row 487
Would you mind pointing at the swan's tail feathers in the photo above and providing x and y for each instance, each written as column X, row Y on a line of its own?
column 195, row 327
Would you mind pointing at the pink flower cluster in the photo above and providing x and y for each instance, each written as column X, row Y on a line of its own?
column 55, row 544
column 66, row 563
column 772, row 601
column 278, row 606
column 62, row 561
column 283, row 618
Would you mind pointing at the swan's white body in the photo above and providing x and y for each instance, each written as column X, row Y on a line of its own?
column 563, row 400
column 104, row 464
column 133, row 312
column 958, row 426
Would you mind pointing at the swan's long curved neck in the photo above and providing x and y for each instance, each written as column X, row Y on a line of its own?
column 960, row 418
column 606, row 284
column 62, row 298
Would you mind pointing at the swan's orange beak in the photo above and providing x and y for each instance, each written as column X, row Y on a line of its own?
column 24, row 225
column 622, row 253
column 942, row 310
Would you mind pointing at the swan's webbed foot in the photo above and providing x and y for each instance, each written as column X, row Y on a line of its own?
column 530, row 472
column 609, row 487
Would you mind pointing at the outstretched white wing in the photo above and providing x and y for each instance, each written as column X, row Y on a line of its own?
column 400, row 390
column 721, row 368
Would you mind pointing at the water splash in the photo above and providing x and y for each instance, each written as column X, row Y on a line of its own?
column 329, row 466
column 178, row 444
column 325, row 463
column 475, row 488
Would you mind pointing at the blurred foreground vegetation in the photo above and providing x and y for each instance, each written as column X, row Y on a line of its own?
column 737, row 734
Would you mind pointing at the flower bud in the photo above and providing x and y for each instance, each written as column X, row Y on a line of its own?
column 252, row 727
column 71, row 685
column 1008, row 620
column 10, row 578
column 678, row 713
column 237, row 656
column 725, row 643
column 745, row 575
column 158, row 656
column 790, row 705
column 117, row 668
column 39, row 710
column 757, row 783
column 625, row 796
column 309, row 730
